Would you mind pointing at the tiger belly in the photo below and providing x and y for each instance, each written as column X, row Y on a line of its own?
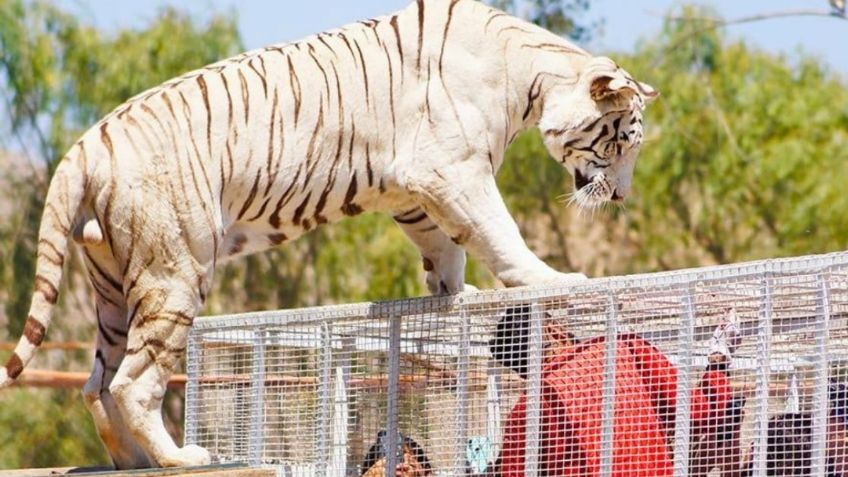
column 240, row 241
column 263, row 232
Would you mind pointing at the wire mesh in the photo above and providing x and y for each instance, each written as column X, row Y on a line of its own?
column 724, row 371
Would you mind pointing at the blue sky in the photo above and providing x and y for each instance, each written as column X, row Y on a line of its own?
column 263, row 22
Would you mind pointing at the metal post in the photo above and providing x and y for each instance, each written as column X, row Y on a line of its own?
column 341, row 400
column 461, row 408
column 493, row 407
column 325, row 365
column 392, row 411
column 820, row 400
column 532, row 425
column 763, row 354
column 256, row 440
column 191, row 396
column 608, row 400
column 684, row 367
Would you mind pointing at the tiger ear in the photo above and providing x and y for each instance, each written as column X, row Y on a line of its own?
column 603, row 79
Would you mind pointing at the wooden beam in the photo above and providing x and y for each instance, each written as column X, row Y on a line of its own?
column 40, row 378
column 53, row 345
column 225, row 470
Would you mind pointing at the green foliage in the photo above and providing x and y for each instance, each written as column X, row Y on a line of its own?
column 559, row 16
column 46, row 429
column 746, row 153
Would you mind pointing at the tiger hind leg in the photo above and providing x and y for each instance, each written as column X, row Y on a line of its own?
column 111, row 345
column 160, row 320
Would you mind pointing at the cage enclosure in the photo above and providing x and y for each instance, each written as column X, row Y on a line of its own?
column 731, row 370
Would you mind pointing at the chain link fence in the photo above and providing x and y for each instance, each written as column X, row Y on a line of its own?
column 724, row 371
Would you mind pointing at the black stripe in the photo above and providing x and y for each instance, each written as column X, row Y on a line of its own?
column 445, row 34
column 298, row 213
column 311, row 51
column 604, row 132
column 364, row 74
column 274, row 220
column 321, row 39
column 204, row 92
column 393, row 22
column 102, row 292
column 420, row 34
column 261, row 210
column 251, row 196
column 392, row 101
column 368, row 169
column 245, row 95
column 411, row 220
column 46, row 288
column 349, row 208
column 271, row 175
column 294, row 81
column 260, row 75
column 349, row 48
column 105, row 334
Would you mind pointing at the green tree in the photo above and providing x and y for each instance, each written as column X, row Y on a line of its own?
column 565, row 17
column 748, row 152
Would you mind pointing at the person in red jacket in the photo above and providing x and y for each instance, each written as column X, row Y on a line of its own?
column 644, row 406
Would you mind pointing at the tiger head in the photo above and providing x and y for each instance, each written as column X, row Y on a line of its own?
column 595, row 130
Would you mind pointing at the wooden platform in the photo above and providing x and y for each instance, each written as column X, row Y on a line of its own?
column 225, row 470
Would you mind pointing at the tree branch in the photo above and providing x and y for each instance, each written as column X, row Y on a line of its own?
column 719, row 22
column 715, row 23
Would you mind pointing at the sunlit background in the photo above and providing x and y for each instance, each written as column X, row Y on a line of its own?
column 746, row 157
column 622, row 22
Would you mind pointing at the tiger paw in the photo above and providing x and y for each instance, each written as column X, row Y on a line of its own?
column 571, row 277
column 446, row 272
column 188, row 456
column 559, row 278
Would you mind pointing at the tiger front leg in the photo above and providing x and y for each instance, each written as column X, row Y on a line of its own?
column 442, row 259
column 463, row 200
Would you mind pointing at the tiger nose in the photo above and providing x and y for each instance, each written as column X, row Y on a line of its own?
column 616, row 196
column 580, row 180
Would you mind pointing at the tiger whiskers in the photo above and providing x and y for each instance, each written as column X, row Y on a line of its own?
column 568, row 199
column 590, row 199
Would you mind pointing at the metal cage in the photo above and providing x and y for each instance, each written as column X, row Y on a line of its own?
column 609, row 377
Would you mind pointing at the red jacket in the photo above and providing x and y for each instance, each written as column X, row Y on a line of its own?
column 645, row 400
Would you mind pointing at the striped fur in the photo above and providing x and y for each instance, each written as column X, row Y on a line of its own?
column 408, row 114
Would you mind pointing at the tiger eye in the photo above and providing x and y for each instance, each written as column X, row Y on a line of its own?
column 609, row 149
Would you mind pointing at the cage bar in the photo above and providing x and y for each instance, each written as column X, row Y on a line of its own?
column 257, row 401
column 682, row 430
column 820, row 405
column 608, row 388
column 392, row 442
column 764, row 325
column 534, row 392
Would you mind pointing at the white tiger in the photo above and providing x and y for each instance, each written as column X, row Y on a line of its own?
column 409, row 113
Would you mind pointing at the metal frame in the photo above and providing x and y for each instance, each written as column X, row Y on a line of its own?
column 329, row 341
